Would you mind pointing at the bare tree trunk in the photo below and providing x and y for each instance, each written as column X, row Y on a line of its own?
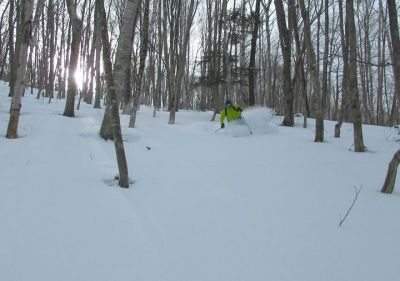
column 25, row 37
column 353, row 85
column 11, row 50
column 388, row 186
column 113, row 105
column 97, row 30
column 343, row 115
column 181, row 59
column 73, row 61
column 284, row 35
column 394, row 35
column 390, row 179
column 157, row 92
column 50, row 84
column 380, row 118
column 122, row 61
column 124, row 51
column 142, row 60
column 325, row 89
column 268, row 65
column 252, row 64
column 312, row 62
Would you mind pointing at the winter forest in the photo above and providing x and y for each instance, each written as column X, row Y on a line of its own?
column 328, row 60
column 101, row 94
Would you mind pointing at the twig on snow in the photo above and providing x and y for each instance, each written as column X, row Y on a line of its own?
column 352, row 204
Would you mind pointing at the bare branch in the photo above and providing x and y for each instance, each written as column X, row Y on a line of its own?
column 352, row 204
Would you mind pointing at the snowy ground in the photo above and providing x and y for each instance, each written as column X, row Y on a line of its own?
column 205, row 206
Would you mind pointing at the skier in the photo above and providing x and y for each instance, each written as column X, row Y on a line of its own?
column 231, row 112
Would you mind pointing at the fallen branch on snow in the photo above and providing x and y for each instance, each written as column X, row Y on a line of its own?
column 352, row 204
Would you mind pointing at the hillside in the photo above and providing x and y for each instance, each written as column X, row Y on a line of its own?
column 204, row 206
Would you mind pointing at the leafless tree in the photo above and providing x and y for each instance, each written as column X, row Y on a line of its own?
column 113, row 105
column 286, row 45
column 72, row 91
column 388, row 186
column 24, row 34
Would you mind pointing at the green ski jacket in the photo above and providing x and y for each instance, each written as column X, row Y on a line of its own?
column 231, row 113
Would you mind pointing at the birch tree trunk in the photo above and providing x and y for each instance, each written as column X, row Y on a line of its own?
column 124, row 51
column 122, row 61
column 25, row 37
column 113, row 104
column 142, row 60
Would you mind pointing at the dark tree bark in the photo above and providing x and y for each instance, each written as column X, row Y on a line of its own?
column 390, row 179
column 394, row 36
column 353, row 84
column 285, row 42
column 343, row 115
column 73, row 61
column 11, row 50
column 388, row 186
column 312, row 62
column 98, row 93
column 252, row 64
column 51, row 34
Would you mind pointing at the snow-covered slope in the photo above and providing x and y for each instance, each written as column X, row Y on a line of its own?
column 204, row 206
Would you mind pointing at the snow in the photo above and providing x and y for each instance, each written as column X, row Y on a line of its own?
column 204, row 205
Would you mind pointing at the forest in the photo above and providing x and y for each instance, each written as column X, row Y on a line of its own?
column 328, row 60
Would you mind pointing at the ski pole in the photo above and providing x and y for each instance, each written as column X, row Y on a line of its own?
column 251, row 132
column 217, row 130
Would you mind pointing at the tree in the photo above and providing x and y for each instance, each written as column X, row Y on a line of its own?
column 252, row 99
column 51, row 33
column 388, row 186
column 122, row 61
column 345, row 57
column 352, row 78
column 24, row 34
column 73, row 61
column 144, row 38
column 180, row 27
column 394, row 35
column 113, row 104
column 11, row 47
column 285, row 42
column 97, row 42
column 319, row 131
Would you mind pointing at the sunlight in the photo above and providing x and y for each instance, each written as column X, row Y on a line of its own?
column 79, row 78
